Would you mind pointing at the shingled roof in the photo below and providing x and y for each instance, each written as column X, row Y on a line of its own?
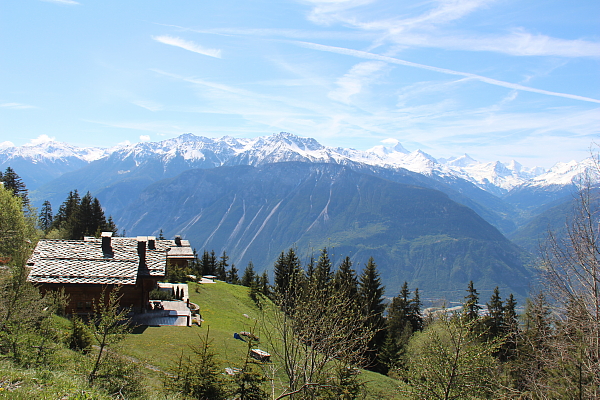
column 87, row 261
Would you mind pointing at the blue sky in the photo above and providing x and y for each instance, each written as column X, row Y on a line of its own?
column 497, row 79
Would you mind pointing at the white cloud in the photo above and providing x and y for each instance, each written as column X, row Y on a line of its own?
column 327, row 11
column 148, row 105
column 145, row 138
column 372, row 56
column 518, row 43
column 6, row 144
column 69, row 2
column 390, row 141
column 40, row 139
column 428, row 29
column 353, row 82
column 16, row 106
column 187, row 45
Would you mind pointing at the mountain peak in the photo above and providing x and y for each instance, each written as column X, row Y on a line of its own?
column 463, row 161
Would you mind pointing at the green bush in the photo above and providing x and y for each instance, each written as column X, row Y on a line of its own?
column 157, row 294
column 81, row 337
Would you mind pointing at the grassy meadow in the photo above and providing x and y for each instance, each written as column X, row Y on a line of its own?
column 226, row 309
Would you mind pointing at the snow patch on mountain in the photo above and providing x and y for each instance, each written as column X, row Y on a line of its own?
column 566, row 173
column 53, row 151
column 496, row 177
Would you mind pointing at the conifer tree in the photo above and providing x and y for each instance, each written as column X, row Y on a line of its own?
column 415, row 317
column 345, row 280
column 511, row 330
column 495, row 318
column 221, row 268
column 288, row 280
column 82, row 221
column 232, row 275
column 14, row 183
column 249, row 276
column 370, row 293
column 212, row 263
column 208, row 263
column 203, row 263
column 534, row 346
column 403, row 319
column 398, row 311
column 322, row 275
column 46, row 216
column 263, row 285
column 310, row 269
column 66, row 212
column 471, row 306
column 97, row 218
column 111, row 226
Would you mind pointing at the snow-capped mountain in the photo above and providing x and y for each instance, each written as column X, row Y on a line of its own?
column 202, row 152
column 37, row 164
column 567, row 173
column 52, row 151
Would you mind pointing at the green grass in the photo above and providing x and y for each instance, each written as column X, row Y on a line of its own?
column 222, row 307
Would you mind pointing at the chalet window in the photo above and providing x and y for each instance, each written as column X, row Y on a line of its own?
column 80, row 305
column 88, row 305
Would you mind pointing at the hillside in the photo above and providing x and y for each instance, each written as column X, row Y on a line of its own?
column 414, row 234
column 223, row 307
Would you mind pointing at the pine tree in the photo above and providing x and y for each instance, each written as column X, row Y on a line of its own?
column 97, row 218
column 370, row 293
column 14, row 183
column 82, row 221
column 471, row 307
column 310, row 269
column 249, row 275
column 46, row 216
column 398, row 312
column 288, row 280
column 232, row 275
column 263, row 285
column 495, row 318
column 221, row 268
column 534, row 346
column 111, row 226
column 322, row 276
column 511, row 330
column 403, row 319
column 345, row 281
column 414, row 315
column 208, row 263
column 66, row 213
column 212, row 263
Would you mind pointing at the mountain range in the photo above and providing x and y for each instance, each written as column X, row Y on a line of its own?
column 250, row 197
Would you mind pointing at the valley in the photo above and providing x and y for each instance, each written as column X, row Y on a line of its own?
column 434, row 223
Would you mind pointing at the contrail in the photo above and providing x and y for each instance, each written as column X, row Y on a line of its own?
column 391, row 60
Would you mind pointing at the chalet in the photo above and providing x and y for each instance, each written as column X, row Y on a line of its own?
column 85, row 267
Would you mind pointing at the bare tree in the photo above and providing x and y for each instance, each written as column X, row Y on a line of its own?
column 108, row 324
column 449, row 360
column 571, row 268
column 323, row 339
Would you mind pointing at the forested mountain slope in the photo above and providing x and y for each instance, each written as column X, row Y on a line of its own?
column 414, row 234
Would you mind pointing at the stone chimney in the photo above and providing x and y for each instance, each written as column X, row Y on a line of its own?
column 151, row 242
column 178, row 240
column 141, row 248
column 106, row 244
